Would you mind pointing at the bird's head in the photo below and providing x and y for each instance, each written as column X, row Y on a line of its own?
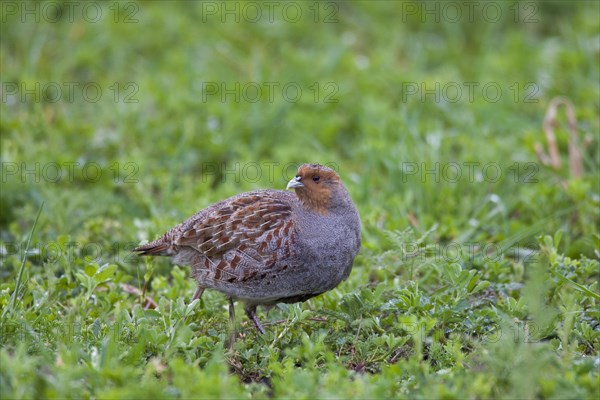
column 318, row 187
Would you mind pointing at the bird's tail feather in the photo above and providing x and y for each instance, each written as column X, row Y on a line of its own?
column 156, row 248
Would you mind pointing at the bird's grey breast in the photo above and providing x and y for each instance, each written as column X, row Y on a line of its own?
column 329, row 244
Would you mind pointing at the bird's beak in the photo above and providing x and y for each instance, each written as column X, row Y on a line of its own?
column 295, row 183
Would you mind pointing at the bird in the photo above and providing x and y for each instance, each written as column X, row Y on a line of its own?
column 269, row 246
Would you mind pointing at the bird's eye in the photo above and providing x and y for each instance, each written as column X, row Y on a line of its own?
column 316, row 178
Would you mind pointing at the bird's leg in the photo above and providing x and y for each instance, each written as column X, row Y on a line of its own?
column 197, row 295
column 231, row 310
column 251, row 312
column 232, row 323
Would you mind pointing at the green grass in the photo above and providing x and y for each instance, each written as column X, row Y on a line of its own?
column 472, row 286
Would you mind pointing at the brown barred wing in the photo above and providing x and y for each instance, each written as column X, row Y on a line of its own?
column 241, row 239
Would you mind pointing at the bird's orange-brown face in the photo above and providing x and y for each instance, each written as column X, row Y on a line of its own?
column 314, row 184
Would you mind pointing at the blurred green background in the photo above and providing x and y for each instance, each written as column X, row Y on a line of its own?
column 478, row 275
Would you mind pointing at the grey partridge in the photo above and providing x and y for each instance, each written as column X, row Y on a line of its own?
column 270, row 246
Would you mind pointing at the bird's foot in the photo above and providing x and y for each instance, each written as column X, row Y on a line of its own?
column 251, row 312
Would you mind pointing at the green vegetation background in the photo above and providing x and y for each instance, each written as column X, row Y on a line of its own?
column 474, row 287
